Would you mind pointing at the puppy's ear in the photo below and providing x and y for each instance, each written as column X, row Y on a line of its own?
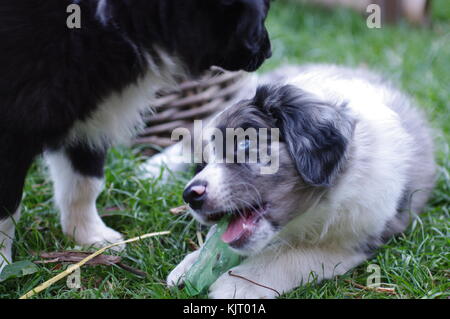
column 317, row 133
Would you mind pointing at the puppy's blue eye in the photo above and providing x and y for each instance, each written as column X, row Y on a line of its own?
column 244, row 145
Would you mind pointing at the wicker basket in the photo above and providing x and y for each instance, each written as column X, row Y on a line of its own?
column 193, row 100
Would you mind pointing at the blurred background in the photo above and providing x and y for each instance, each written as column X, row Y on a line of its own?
column 412, row 47
column 415, row 11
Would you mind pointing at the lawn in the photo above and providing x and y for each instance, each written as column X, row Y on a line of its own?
column 416, row 263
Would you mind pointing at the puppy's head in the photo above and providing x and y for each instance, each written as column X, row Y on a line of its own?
column 201, row 33
column 227, row 33
column 311, row 152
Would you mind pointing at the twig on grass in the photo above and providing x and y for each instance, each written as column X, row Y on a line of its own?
column 200, row 238
column 390, row 291
column 74, row 257
column 177, row 211
column 253, row 282
column 192, row 244
column 137, row 272
column 73, row 268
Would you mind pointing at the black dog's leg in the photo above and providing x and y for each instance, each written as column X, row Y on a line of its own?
column 77, row 174
column 16, row 156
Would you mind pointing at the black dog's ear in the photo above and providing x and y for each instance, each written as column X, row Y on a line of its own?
column 317, row 133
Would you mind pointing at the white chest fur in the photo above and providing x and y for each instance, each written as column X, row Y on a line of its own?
column 119, row 116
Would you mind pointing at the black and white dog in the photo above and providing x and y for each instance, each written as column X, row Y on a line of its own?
column 356, row 163
column 72, row 92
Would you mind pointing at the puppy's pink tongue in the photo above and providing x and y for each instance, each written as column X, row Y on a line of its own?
column 237, row 228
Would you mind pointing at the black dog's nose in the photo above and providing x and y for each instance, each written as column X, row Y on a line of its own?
column 267, row 46
column 195, row 194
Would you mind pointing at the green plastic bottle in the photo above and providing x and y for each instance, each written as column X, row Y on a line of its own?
column 215, row 259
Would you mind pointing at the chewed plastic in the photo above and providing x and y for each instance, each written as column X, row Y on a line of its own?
column 215, row 259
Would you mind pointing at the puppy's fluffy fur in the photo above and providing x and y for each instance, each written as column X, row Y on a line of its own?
column 74, row 92
column 356, row 164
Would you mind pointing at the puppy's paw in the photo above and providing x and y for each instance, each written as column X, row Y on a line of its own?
column 108, row 236
column 96, row 235
column 231, row 287
column 176, row 277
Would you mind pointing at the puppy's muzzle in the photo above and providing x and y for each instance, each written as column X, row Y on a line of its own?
column 195, row 194
column 264, row 53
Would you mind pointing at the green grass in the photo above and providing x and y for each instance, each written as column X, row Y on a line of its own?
column 417, row 263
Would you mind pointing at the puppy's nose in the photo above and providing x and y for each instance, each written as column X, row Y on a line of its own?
column 195, row 194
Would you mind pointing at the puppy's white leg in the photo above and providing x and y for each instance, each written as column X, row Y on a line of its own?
column 283, row 272
column 7, row 230
column 75, row 196
column 176, row 277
